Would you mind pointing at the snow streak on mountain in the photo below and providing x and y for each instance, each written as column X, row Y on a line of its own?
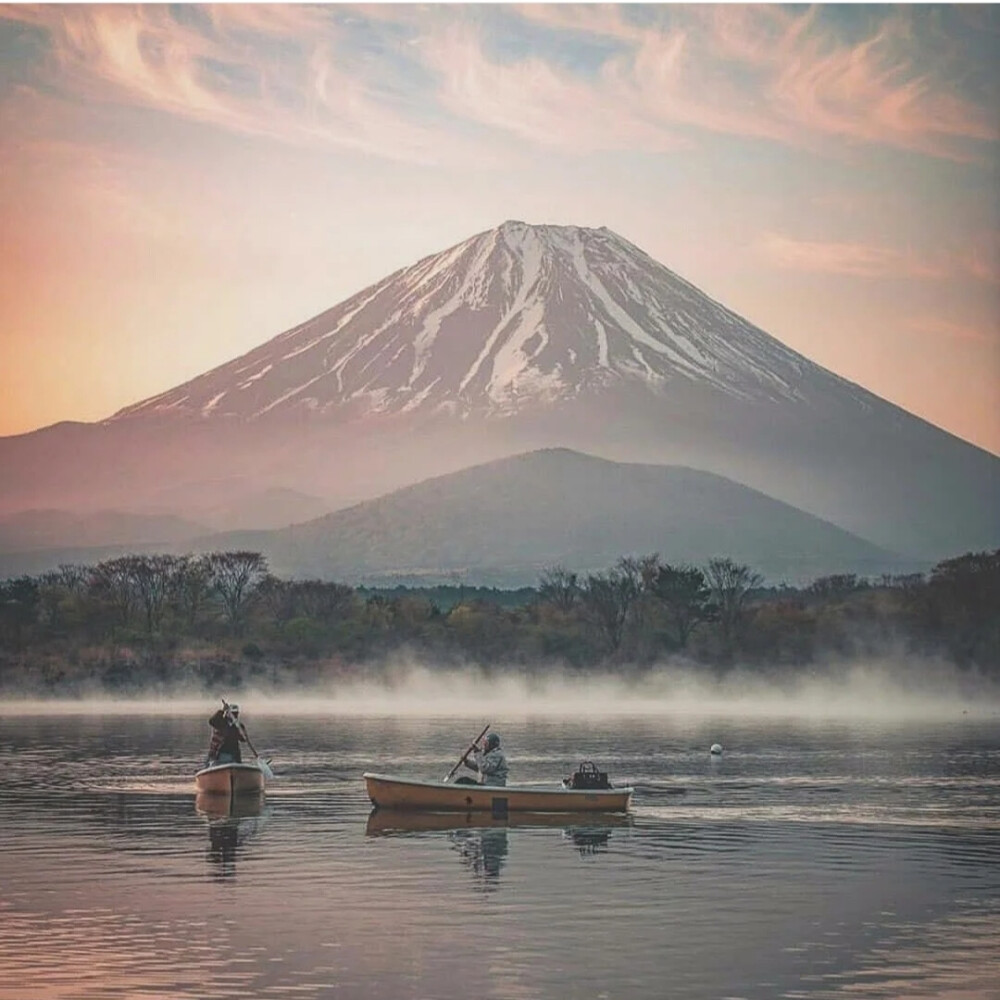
column 517, row 316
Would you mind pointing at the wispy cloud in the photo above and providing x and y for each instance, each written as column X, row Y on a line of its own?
column 876, row 92
column 783, row 74
column 858, row 260
column 976, row 259
column 536, row 100
column 979, row 258
column 269, row 71
column 574, row 77
column 949, row 330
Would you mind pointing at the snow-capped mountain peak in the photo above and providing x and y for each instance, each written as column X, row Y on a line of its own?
column 515, row 317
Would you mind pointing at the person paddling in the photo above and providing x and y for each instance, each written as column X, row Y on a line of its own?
column 228, row 732
column 490, row 762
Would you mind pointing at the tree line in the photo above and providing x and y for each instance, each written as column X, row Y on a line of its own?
column 162, row 621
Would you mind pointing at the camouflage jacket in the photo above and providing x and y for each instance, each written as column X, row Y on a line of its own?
column 492, row 767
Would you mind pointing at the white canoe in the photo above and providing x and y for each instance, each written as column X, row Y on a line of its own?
column 391, row 792
column 230, row 779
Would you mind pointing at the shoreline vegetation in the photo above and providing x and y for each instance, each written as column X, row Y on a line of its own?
column 159, row 624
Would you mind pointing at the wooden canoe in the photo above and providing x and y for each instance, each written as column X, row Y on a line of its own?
column 230, row 779
column 391, row 792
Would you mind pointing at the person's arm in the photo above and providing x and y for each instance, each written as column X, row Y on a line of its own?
column 491, row 764
column 476, row 763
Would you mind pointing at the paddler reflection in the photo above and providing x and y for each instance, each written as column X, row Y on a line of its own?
column 483, row 852
column 232, row 821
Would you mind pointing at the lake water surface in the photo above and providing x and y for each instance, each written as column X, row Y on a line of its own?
column 812, row 859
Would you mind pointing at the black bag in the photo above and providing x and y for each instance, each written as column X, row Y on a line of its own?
column 587, row 776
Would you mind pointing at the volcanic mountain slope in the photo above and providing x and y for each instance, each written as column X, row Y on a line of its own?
column 519, row 338
column 502, row 522
column 510, row 319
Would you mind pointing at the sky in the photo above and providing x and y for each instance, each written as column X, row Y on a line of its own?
column 181, row 184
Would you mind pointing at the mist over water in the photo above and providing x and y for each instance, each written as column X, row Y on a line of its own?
column 899, row 690
column 815, row 858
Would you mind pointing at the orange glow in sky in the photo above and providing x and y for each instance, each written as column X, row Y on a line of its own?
column 183, row 183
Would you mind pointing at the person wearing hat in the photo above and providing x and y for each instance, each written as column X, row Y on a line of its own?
column 227, row 735
column 490, row 762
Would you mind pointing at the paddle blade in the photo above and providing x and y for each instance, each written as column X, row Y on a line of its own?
column 265, row 766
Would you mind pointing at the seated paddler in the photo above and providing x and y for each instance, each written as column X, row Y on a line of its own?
column 490, row 762
column 227, row 735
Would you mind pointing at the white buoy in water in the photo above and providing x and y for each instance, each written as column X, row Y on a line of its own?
column 716, row 748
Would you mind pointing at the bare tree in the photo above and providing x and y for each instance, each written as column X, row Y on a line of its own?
column 114, row 581
column 559, row 587
column 73, row 578
column 19, row 600
column 235, row 577
column 837, row 586
column 191, row 586
column 641, row 571
column 730, row 584
column 153, row 577
column 278, row 596
column 684, row 594
column 53, row 595
column 324, row 600
column 607, row 599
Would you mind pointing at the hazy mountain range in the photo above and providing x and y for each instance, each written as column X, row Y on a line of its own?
column 503, row 522
column 518, row 339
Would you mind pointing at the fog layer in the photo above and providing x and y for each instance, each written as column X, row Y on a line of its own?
column 881, row 689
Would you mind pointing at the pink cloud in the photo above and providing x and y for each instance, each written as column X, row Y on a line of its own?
column 768, row 72
column 142, row 55
column 980, row 257
column 975, row 260
column 857, row 260
column 534, row 100
column 950, row 330
column 874, row 92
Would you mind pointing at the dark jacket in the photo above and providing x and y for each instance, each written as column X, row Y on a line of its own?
column 226, row 738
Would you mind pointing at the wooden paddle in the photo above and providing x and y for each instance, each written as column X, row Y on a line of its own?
column 264, row 765
column 464, row 757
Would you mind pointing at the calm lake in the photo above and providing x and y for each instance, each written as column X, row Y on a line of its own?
column 812, row 859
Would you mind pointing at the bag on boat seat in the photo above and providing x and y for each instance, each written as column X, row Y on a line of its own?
column 588, row 776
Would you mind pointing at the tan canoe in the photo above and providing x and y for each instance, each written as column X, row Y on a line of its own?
column 390, row 792
column 230, row 779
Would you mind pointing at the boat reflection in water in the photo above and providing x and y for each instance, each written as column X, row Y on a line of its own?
column 483, row 852
column 482, row 839
column 232, row 821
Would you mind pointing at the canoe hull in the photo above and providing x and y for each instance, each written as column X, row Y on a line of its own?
column 390, row 792
column 229, row 779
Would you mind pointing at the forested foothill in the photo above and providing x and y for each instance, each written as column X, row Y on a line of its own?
column 164, row 623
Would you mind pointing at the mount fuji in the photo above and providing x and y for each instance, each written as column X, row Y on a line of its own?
column 520, row 338
column 510, row 320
